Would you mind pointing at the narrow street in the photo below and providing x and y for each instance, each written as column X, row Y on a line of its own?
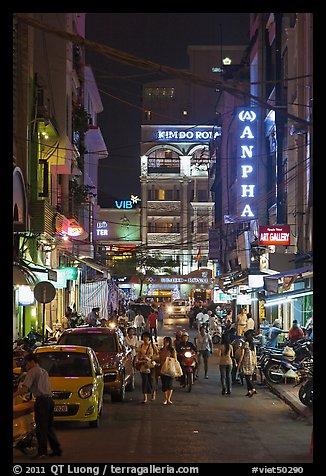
column 202, row 426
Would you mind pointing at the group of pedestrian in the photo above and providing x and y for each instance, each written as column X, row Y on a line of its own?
column 244, row 363
column 150, row 359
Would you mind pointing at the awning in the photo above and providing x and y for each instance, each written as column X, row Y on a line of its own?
column 91, row 263
column 291, row 272
column 23, row 277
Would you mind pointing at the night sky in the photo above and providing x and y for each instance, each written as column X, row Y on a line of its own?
column 159, row 37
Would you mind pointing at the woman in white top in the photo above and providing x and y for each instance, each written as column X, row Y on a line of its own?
column 204, row 347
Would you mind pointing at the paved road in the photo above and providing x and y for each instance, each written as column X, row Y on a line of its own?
column 200, row 427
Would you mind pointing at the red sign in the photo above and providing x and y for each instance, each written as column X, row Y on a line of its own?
column 274, row 235
column 74, row 228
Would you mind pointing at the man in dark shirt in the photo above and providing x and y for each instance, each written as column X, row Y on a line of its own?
column 37, row 381
column 184, row 345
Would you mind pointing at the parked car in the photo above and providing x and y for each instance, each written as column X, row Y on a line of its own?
column 113, row 353
column 177, row 308
column 76, row 382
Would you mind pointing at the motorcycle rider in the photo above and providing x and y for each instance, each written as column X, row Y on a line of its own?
column 186, row 344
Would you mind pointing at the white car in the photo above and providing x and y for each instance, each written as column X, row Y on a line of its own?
column 177, row 308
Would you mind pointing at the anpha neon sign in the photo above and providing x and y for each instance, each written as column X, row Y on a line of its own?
column 247, row 163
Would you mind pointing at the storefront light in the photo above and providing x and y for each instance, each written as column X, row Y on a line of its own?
column 25, row 296
column 286, row 299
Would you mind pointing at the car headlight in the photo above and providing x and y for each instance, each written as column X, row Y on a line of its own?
column 86, row 391
column 182, row 309
column 170, row 309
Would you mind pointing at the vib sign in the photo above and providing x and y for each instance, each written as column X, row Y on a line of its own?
column 247, row 163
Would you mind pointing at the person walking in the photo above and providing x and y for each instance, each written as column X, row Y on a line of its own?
column 241, row 321
column 38, row 383
column 139, row 323
column 146, row 353
column 204, row 345
column 225, row 359
column 152, row 323
column 248, row 361
column 250, row 324
column 132, row 341
column 160, row 317
column 167, row 381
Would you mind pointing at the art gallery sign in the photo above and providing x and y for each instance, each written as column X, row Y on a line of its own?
column 274, row 235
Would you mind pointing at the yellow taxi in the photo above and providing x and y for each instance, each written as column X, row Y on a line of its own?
column 76, row 382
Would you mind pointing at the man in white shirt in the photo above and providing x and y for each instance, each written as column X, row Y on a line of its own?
column 139, row 323
column 250, row 324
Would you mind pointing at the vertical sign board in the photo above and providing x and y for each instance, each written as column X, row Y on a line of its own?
column 247, row 163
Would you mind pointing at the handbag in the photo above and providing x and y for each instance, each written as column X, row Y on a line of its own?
column 178, row 369
column 171, row 367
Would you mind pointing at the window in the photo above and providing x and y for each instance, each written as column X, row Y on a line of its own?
column 202, row 195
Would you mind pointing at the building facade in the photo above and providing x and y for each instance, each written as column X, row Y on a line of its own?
column 181, row 120
column 52, row 186
column 263, row 179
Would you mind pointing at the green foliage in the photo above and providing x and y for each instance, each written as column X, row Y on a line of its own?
column 80, row 193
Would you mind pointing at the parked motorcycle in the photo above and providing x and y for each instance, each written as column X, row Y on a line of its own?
column 188, row 364
column 306, row 393
column 305, row 381
column 276, row 365
column 24, row 436
column 278, row 368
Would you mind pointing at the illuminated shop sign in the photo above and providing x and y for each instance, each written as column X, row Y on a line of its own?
column 247, row 164
column 74, row 228
column 102, row 228
column 125, row 204
column 274, row 235
column 188, row 134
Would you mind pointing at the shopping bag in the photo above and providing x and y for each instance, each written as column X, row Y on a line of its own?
column 178, row 369
column 168, row 368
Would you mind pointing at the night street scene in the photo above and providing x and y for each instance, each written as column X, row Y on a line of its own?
column 162, row 244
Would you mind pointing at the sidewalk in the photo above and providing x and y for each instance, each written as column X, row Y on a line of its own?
column 289, row 394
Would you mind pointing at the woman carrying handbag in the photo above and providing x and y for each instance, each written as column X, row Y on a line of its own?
column 248, row 361
column 167, row 381
column 145, row 360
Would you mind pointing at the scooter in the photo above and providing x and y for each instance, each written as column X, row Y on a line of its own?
column 24, row 435
column 306, row 393
column 277, row 368
column 188, row 364
column 306, row 390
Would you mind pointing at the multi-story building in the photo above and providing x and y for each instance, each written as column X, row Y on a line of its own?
column 54, row 115
column 264, row 171
column 181, row 119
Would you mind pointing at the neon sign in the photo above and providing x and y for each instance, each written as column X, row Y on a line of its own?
column 134, row 199
column 247, row 179
column 189, row 134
